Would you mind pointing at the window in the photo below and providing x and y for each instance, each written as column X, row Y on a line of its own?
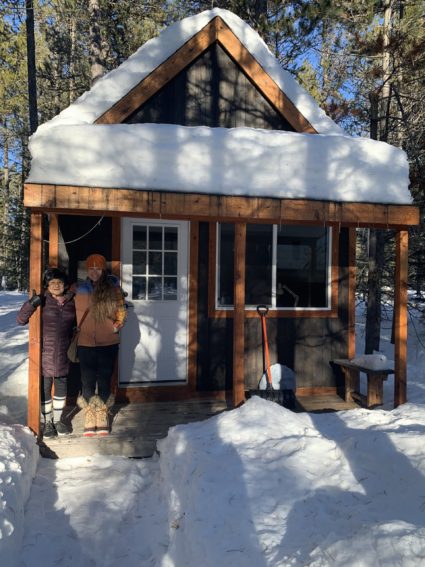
column 287, row 267
column 154, row 263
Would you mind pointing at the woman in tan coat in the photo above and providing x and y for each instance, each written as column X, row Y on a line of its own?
column 101, row 313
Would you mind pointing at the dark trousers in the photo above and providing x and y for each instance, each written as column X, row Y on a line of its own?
column 97, row 365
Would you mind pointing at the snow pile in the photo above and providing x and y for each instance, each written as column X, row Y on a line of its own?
column 238, row 161
column 263, row 486
column 18, row 463
column 254, row 487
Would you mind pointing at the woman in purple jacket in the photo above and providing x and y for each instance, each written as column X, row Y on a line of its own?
column 58, row 320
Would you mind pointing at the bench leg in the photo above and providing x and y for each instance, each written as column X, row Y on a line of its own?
column 375, row 389
column 352, row 383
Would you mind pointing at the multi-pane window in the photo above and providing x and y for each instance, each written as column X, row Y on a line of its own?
column 287, row 267
column 155, row 257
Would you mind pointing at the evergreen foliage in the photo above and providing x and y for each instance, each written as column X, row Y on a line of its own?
column 335, row 48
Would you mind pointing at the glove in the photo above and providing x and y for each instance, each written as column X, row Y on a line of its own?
column 35, row 299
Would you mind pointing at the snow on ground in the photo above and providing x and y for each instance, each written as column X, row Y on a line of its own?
column 257, row 486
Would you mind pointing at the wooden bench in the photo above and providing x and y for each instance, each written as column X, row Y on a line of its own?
column 375, row 382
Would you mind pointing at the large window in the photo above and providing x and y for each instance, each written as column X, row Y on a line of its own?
column 287, row 267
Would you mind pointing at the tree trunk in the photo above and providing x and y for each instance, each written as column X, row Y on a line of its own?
column 32, row 81
column 379, row 131
column 96, row 51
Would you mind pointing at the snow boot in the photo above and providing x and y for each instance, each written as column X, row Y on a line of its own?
column 49, row 429
column 61, row 428
column 89, row 416
column 101, row 410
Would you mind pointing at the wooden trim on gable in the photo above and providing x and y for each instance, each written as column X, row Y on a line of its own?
column 215, row 30
column 65, row 199
column 261, row 79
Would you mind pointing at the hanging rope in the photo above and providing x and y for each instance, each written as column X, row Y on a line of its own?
column 83, row 236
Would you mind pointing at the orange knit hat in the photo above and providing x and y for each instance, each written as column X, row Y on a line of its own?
column 96, row 261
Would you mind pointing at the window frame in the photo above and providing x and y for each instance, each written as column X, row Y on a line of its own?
column 218, row 311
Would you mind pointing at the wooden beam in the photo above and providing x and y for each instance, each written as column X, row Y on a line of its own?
column 160, row 76
column 193, row 306
column 35, row 337
column 192, row 206
column 261, row 79
column 400, row 318
column 53, row 240
column 351, row 292
column 215, row 30
column 239, row 316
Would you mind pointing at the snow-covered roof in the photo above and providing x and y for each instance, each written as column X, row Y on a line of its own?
column 71, row 150
column 116, row 84
column 238, row 161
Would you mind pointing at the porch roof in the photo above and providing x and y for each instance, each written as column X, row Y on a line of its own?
column 220, row 161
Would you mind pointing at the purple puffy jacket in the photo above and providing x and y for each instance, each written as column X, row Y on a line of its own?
column 58, row 322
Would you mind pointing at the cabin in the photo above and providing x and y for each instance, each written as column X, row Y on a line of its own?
column 212, row 182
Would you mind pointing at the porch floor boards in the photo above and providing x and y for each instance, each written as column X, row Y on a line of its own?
column 136, row 428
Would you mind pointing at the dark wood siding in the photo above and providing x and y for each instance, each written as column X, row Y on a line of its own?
column 99, row 240
column 306, row 345
column 214, row 92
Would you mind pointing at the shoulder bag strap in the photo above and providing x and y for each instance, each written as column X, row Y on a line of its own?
column 83, row 317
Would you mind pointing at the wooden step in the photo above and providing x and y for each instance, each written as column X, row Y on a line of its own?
column 136, row 428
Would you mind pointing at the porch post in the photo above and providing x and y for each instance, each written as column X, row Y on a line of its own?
column 53, row 240
column 34, row 350
column 239, row 315
column 351, row 293
column 400, row 318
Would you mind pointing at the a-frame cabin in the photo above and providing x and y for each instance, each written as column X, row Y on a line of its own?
column 220, row 185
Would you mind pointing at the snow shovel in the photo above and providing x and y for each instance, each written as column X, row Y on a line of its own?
column 284, row 397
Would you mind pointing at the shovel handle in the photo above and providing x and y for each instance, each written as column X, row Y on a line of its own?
column 262, row 310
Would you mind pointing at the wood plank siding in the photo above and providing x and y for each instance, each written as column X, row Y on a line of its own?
column 306, row 343
column 214, row 32
column 214, row 92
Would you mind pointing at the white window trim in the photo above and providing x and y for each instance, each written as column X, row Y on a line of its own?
column 273, row 306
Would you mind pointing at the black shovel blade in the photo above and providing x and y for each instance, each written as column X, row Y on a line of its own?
column 285, row 398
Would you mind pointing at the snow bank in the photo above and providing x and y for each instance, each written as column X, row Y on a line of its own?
column 239, row 161
column 19, row 457
column 263, row 486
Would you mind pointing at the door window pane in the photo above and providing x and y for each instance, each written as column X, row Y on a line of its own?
column 155, row 238
column 139, row 263
column 170, row 263
column 155, row 288
column 170, row 288
column 170, row 238
column 139, row 288
column 155, row 263
column 139, row 237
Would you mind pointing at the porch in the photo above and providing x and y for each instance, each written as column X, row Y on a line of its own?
column 136, row 427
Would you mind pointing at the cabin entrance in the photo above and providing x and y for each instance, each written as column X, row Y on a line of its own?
column 154, row 340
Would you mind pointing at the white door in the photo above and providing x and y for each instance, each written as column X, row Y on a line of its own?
column 153, row 347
